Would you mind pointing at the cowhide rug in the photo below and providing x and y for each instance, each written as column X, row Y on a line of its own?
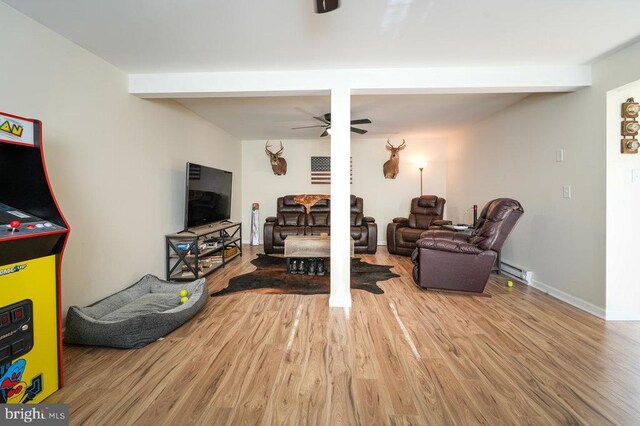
column 271, row 277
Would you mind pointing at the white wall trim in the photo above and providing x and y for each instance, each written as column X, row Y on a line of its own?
column 339, row 302
column 622, row 293
column 622, row 316
column 340, row 139
column 570, row 299
column 515, row 79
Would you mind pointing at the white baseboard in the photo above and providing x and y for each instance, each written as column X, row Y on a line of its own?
column 570, row 299
column 339, row 302
column 622, row 316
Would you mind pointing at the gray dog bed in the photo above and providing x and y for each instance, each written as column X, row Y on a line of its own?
column 136, row 316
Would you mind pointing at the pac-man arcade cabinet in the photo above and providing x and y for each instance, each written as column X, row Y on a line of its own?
column 33, row 234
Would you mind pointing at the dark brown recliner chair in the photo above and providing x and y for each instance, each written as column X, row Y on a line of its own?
column 426, row 213
column 292, row 219
column 448, row 260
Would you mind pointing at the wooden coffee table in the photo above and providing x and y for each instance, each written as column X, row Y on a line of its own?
column 308, row 247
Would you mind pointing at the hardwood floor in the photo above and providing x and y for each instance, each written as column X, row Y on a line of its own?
column 404, row 357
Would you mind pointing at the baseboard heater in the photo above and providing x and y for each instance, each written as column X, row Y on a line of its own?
column 516, row 272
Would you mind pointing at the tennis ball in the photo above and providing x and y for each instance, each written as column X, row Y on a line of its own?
column 509, row 283
column 184, row 299
column 184, row 293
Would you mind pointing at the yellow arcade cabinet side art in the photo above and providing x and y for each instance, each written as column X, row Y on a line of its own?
column 33, row 233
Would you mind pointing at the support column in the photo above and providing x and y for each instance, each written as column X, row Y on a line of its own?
column 340, row 198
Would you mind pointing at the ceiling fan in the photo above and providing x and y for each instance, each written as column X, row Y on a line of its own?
column 324, row 6
column 326, row 119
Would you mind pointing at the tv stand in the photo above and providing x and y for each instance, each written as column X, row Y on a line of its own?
column 208, row 248
column 185, row 230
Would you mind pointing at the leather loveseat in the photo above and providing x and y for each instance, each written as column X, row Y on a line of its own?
column 426, row 213
column 292, row 219
column 448, row 260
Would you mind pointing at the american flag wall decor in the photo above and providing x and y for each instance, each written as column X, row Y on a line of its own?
column 321, row 170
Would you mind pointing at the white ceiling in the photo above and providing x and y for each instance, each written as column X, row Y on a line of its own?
column 392, row 115
column 232, row 35
column 152, row 36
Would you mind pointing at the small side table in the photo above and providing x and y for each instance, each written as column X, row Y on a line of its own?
column 467, row 231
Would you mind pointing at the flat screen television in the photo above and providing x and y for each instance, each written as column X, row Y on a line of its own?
column 208, row 195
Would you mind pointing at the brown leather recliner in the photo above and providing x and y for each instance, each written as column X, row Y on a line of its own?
column 426, row 213
column 447, row 260
column 292, row 219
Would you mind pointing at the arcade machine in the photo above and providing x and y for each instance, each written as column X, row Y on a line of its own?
column 33, row 233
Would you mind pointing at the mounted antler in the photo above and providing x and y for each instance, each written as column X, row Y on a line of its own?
column 391, row 168
column 278, row 164
column 266, row 148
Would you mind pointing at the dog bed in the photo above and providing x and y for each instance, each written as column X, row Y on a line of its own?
column 135, row 316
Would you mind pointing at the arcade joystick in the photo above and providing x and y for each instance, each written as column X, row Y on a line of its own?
column 14, row 224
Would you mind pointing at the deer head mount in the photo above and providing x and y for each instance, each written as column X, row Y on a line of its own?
column 391, row 167
column 278, row 164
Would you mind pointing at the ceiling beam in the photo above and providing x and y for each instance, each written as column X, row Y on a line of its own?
column 362, row 81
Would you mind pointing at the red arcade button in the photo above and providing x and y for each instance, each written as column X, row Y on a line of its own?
column 17, row 314
column 5, row 319
column 31, row 226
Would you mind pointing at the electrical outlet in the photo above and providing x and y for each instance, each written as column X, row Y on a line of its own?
column 566, row 191
column 560, row 155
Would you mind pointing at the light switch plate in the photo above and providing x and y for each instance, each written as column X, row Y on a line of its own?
column 560, row 155
column 635, row 176
column 566, row 191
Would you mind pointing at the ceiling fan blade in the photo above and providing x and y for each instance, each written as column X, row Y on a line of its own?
column 359, row 131
column 361, row 121
column 325, row 133
column 323, row 120
column 324, row 6
column 307, row 127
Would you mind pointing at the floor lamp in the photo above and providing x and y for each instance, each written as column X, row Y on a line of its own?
column 421, row 167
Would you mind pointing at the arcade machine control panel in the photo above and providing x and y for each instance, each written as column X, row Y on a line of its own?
column 15, row 223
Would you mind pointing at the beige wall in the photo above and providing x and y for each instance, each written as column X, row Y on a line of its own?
column 513, row 154
column 384, row 199
column 116, row 162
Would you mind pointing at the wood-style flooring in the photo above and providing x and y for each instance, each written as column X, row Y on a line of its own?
column 405, row 357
